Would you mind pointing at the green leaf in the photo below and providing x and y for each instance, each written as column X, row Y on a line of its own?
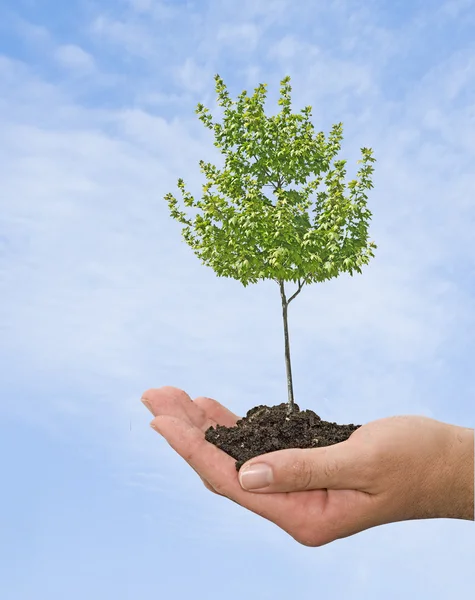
column 281, row 205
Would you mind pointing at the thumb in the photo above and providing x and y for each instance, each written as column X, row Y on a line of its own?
column 337, row 467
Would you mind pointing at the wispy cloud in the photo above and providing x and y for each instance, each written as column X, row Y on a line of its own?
column 128, row 35
column 75, row 58
column 101, row 298
column 244, row 36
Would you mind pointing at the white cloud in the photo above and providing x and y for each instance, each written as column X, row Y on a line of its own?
column 157, row 98
column 100, row 294
column 154, row 8
column 32, row 32
column 131, row 36
column 75, row 58
column 323, row 73
column 194, row 77
column 244, row 36
column 267, row 11
column 141, row 5
column 77, row 179
column 456, row 8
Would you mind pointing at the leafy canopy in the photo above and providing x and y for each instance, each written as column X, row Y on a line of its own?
column 280, row 208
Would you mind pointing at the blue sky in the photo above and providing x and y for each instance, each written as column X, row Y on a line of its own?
column 101, row 299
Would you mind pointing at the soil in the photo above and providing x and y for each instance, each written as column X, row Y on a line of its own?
column 269, row 428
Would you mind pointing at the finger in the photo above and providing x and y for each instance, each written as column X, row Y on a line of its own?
column 166, row 400
column 172, row 401
column 338, row 467
column 203, row 412
column 209, row 487
column 216, row 412
column 213, row 465
column 218, row 415
column 189, row 442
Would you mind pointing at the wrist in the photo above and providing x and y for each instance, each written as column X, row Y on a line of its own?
column 460, row 484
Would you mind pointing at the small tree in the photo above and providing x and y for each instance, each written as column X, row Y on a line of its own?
column 253, row 224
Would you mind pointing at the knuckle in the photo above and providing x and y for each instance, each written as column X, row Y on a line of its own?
column 220, row 489
column 302, row 474
column 370, row 469
column 190, row 453
column 330, row 469
column 368, row 475
column 209, row 487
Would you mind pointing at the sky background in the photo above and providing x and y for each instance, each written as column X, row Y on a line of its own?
column 100, row 298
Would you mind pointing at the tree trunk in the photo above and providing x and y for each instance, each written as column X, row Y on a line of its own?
column 288, row 366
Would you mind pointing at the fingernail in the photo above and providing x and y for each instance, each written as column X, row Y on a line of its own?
column 147, row 404
column 256, row 477
column 155, row 428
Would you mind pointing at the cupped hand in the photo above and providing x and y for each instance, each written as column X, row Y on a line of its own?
column 393, row 469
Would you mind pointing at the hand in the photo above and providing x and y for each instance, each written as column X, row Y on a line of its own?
column 393, row 469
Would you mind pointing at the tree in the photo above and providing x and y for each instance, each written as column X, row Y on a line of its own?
column 255, row 221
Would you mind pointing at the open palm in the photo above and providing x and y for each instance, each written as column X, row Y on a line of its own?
column 313, row 517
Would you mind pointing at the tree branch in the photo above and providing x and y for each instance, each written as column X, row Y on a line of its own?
column 275, row 186
column 301, row 284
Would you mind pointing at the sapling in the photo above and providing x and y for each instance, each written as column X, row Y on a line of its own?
column 281, row 207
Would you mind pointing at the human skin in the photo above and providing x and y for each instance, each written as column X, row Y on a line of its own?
column 394, row 469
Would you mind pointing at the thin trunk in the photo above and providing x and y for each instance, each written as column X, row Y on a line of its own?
column 288, row 366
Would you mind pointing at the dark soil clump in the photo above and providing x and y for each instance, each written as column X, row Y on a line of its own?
column 266, row 429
